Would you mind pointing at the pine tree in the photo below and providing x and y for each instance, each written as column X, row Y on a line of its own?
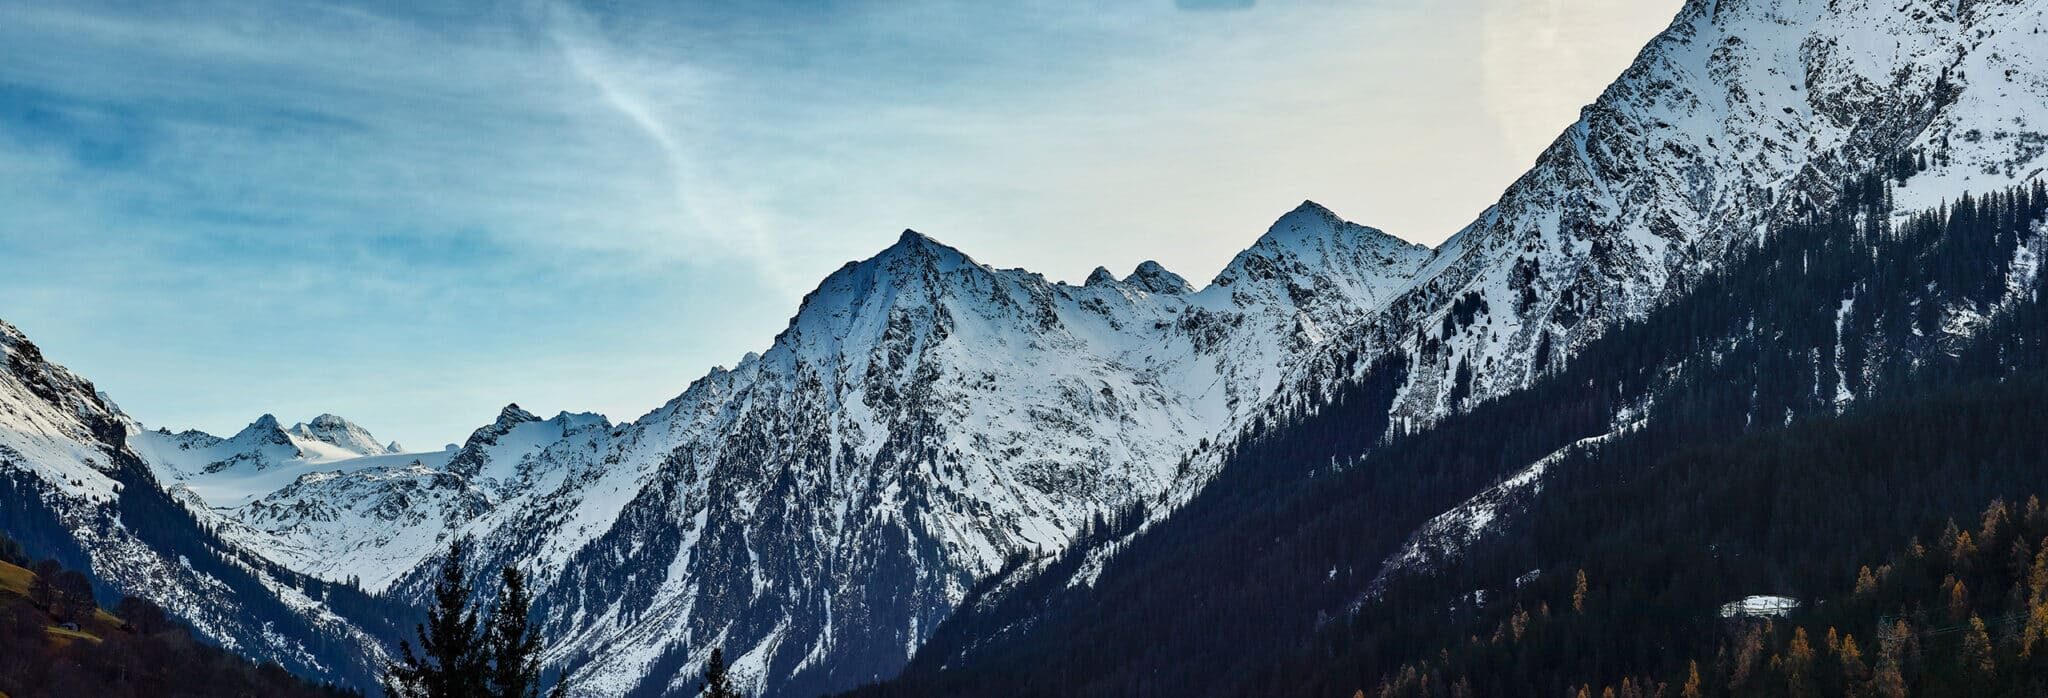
column 455, row 664
column 513, row 646
column 716, row 683
column 1579, row 593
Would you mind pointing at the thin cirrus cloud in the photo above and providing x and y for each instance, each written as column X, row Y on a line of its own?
column 411, row 214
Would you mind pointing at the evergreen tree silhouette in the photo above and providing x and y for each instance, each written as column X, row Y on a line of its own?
column 455, row 663
column 512, row 644
column 716, row 683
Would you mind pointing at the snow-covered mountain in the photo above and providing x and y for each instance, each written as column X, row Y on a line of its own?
column 73, row 489
column 1742, row 113
column 342, row 434
column 818, row 508
column 258, row 451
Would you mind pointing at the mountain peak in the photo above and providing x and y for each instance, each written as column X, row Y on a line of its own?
column 1155, row 278
column 914, row 244
column 329, row 420
column 570, row 421
column 338, row 432
column 1309, row 221
column 914, row 257
column 513, row 414
column 1311, row 239
column 265, row 430
column 1101, row 275
column 912, row 250
column 1309, row 207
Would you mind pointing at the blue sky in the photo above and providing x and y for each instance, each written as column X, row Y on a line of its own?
column 412, row 213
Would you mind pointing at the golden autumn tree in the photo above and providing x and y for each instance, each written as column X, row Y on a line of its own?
column 1958, row 595
column 1964, row 553
column 1866, row 583
column 1977, row 648
column 2037, row 576
column 2035, row 628
column 1798, row 663
column 1994, row 518
column 1854, row 671
column 1890, row 684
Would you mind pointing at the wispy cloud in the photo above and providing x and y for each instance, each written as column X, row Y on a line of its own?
column 665, row 102
column 244, row 208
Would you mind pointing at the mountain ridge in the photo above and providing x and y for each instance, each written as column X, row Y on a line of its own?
column 860, row 362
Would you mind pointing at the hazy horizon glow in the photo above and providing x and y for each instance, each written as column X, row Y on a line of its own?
column 411, row 214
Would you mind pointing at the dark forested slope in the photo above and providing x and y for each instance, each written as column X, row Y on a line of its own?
column 1259, row 585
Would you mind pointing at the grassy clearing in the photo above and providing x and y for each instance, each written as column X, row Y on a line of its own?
column 15, row 579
